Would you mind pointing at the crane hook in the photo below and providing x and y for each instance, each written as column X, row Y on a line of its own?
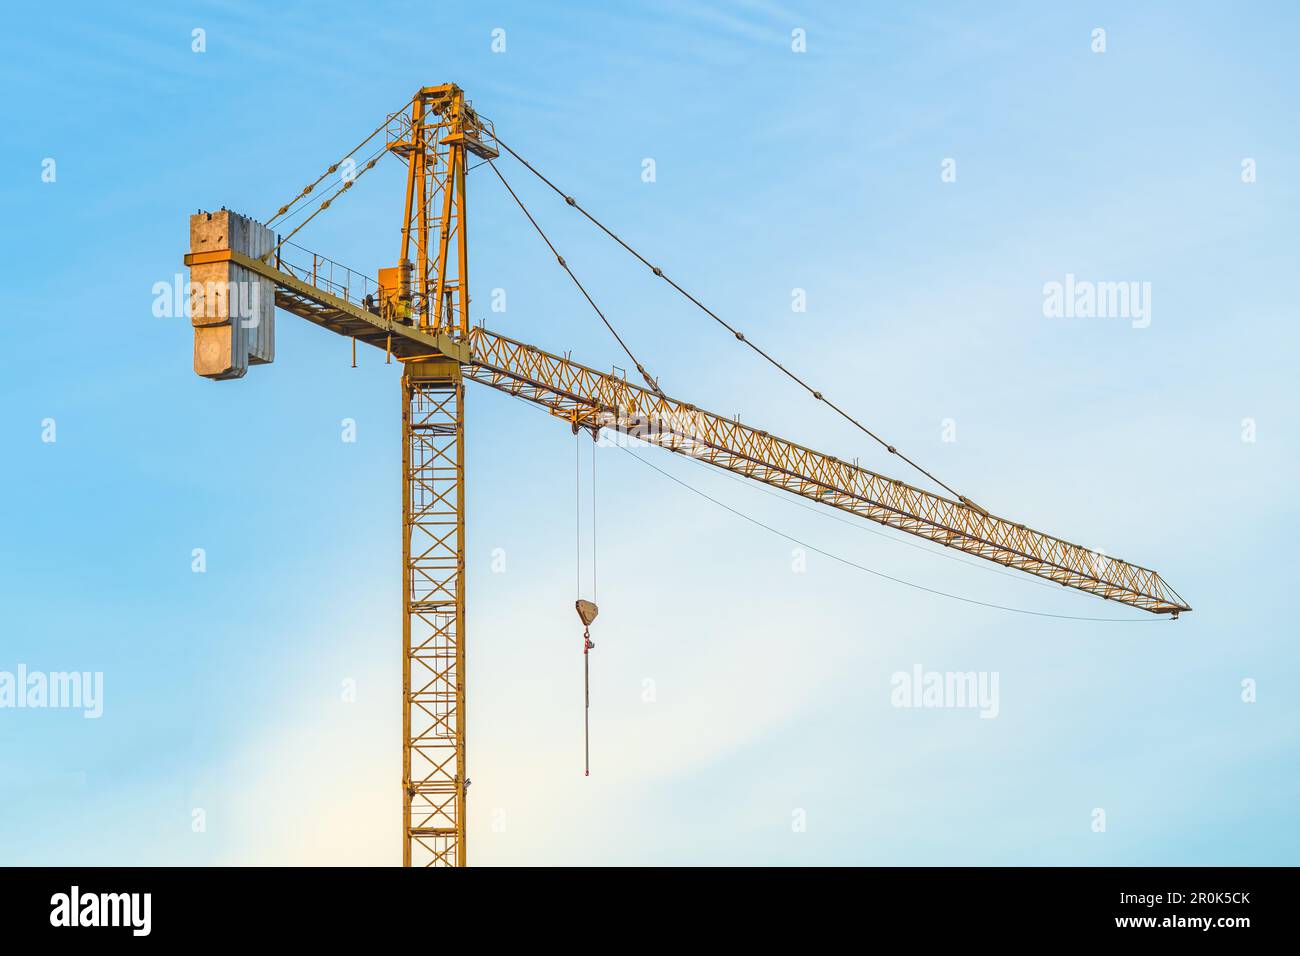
column 587, row 612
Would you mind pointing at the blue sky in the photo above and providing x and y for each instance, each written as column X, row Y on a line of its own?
column 775, row 171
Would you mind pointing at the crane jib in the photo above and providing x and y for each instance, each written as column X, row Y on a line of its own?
column 610, row 401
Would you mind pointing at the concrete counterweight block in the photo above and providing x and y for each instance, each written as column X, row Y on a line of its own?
column 232, row 308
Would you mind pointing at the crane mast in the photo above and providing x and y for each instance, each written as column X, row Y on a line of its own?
column 432, row 294
column 418, row 311
column 434, row 783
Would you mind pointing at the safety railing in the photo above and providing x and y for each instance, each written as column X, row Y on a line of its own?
column 327, row 275
column 345, row 283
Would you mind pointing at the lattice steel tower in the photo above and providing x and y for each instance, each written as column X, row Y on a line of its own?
column 431, row 293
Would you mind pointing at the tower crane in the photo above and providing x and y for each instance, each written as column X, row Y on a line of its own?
column 418, row 312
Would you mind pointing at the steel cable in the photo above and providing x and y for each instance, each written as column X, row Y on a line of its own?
column 308, row 188
column 649, row 379
column 881, row 574
column 739, row 335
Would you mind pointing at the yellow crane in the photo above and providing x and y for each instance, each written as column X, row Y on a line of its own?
column 418, row 313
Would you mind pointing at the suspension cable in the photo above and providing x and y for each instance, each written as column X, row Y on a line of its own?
column 649, row 379
column 740, row 336
column 374, row 158
column 333, row 168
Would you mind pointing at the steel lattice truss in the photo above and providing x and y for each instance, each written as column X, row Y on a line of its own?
column 597, row 399
column 433, row 681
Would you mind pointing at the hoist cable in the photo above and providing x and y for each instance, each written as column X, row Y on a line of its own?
column 654, row 385
column 740, row 336
column 587, row 644
column 881, row 574
column 577, row 513
column 577, row 516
